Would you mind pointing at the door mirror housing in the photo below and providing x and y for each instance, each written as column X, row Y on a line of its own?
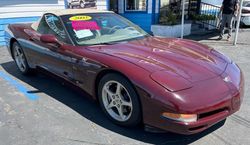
column 49, row 38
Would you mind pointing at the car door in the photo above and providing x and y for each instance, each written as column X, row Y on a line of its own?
column 51, row 56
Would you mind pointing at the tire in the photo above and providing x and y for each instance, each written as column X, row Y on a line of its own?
column 20, row 59
column 70, row 6
column 125, row 100
column 82, row 4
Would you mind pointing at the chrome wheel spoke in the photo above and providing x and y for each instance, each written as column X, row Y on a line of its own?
column 22, row 59
column 110, row 105
column 23, row 65
column 110, row 94
column 19, row 58
column 118, row 89
column 17, row 51
column 125, row 103
column 18, row 61
column 122, row 116
column 118, row 107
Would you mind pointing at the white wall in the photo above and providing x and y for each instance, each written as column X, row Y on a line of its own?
column 101, row 4
column 27, row 8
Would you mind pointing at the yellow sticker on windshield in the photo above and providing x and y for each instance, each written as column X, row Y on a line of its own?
column 80, row 18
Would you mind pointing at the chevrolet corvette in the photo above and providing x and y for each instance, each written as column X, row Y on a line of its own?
column 171, row 84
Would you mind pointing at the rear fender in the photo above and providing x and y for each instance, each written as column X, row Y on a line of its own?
column 9, row 37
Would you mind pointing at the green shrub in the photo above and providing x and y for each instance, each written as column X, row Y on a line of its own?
column 203, row 17
column 169, row 19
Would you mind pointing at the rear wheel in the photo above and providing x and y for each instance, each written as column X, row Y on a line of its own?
column 82, row 4
column 20, row 58
column 70, row 6
column 119, row 100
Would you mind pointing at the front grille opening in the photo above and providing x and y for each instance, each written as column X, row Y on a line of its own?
column 197, row 128
column 207, row 114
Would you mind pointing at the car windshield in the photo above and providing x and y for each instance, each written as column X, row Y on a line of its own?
column 105, row 28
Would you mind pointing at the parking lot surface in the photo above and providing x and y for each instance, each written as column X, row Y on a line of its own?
column 41, row 110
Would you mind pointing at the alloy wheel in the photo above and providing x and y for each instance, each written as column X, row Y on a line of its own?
column 117, row 101
column 19, row 58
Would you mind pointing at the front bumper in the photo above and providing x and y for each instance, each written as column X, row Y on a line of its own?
column 226, row 100
column 75, row 3
column 202, row 123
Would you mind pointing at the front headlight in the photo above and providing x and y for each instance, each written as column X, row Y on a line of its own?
column 221, row 56
column 186, row 118
column 170, row 80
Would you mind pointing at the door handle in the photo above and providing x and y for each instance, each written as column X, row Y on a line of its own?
column 34, row 38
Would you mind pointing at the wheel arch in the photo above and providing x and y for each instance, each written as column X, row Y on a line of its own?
column 101, row 74
column 12, row 40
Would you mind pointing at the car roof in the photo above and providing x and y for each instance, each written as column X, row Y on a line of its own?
column 76, row 11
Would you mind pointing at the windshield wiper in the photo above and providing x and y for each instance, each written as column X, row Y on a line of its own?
column 107, row 43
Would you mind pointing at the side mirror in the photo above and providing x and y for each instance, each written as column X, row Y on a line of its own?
column 49, row 38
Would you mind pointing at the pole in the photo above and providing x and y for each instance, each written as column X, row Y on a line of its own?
column 65, row 4
column 182, row 18
column 238, row 23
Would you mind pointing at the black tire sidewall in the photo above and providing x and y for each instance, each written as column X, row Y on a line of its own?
column 135, row 117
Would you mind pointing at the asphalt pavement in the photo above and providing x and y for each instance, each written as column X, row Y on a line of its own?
column 40, row 110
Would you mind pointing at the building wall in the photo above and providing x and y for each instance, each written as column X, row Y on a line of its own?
column 102, row 4
column 142, row 20
column 27, row 8
column 19, row 11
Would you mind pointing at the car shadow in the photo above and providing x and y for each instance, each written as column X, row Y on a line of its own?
column 213, row 35
column 207, row 35
column 90, row 110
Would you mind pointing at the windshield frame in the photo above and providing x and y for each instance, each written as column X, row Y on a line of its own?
column 64, row 21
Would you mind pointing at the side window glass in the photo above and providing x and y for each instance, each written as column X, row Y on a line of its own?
column 51, row 24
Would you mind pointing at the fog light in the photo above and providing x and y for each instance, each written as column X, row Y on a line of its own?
column 181, row 117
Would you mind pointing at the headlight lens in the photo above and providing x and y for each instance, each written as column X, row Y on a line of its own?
column 186, row 118
column 221, row 56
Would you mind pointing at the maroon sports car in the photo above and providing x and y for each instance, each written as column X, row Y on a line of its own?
column 172, row 84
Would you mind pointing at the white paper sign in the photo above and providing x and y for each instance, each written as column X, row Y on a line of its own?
column 83, row 33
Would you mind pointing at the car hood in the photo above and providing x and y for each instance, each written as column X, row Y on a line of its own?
column 187, row 59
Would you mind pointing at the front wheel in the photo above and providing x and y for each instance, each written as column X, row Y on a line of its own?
column 20, row 59
column 82, row 4
column 119, row 100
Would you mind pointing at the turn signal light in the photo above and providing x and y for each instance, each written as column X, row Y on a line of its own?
column 181, row 117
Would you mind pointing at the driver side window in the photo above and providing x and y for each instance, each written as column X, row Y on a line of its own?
column 51, row 24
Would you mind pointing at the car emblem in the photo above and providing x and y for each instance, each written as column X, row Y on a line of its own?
column 227, row 79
